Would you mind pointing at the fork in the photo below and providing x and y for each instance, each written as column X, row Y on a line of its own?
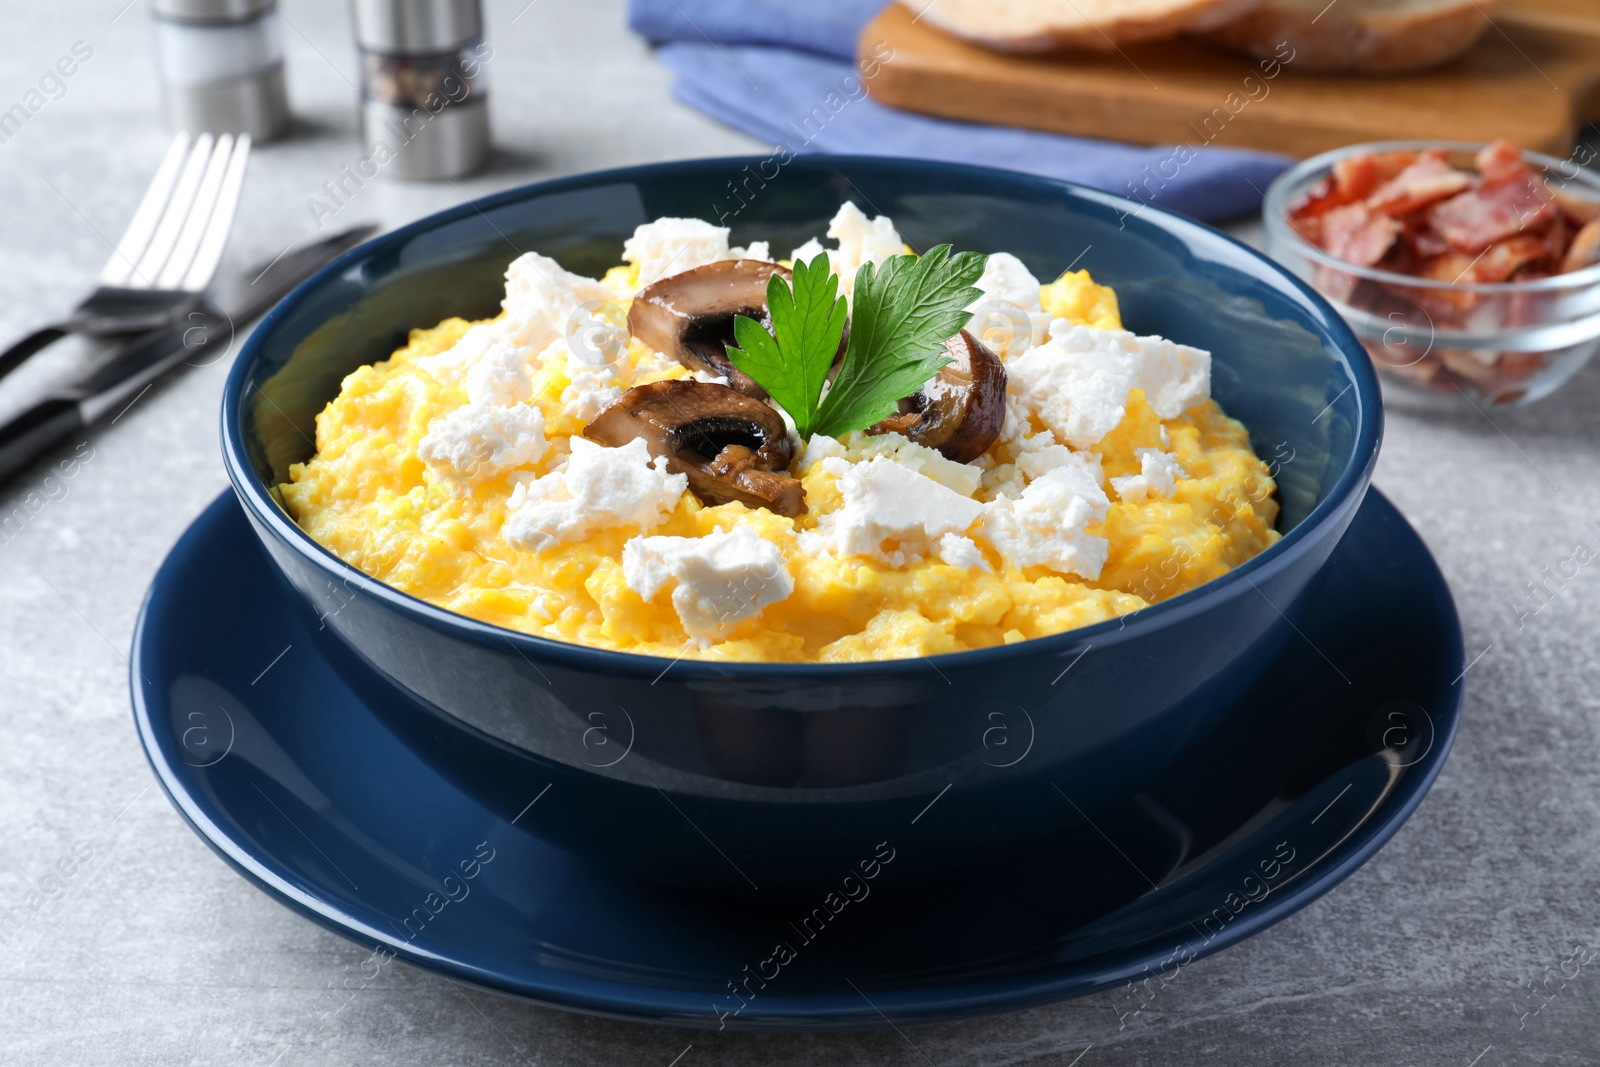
column 169, row 252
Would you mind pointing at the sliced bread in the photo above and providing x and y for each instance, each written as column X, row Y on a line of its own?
column 1097, row 25
column 1359, row 36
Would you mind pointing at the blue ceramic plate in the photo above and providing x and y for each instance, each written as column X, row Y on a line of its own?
column 296, row 784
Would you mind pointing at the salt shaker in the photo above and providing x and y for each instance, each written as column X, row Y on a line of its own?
column 221, row 65
column 424, row 110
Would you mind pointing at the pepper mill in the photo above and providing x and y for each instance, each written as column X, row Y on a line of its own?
column 221, row 65
column 424, row 112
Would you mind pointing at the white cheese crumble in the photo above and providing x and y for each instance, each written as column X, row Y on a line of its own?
column 1077, row 383
column 893, row 513
column 590, row 389
column 761, row 250
column 722, row 578
column 597, row 489
column 1157, row 477
column 1007, row 317
column 1007, row 329
column 857, row 447
column 819, row 448
column 959, row 550
column 1039, row 454
column 500, row 375
column 671, row 246
column 861, row 240
column 1047, row 525
column 541, row 297
column 1002, row 480
column 649, row 365
column 476, row 442
column 1005, row 277
column 448, row 366
column 807, row 252
column 1041, row 509
column 814, row 542
column 1015, row 428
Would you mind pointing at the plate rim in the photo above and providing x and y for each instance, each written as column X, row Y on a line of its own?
column 640, row 1002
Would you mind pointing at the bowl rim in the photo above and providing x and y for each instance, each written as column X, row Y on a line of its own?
column 1339, row 503
column 1280, row 232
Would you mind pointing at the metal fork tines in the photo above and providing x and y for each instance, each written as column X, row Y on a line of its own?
column 168, row 253
column 177, row 234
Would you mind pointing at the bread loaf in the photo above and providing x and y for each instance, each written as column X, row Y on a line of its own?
column 1360, row 36
column 1097, row 25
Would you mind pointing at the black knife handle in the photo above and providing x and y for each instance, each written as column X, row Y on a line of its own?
column 14, row 356
column 45, row 426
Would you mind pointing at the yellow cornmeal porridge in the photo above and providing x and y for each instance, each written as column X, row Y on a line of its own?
column 368, row 496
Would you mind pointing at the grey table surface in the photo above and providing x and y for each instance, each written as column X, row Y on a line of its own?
column 153, row 952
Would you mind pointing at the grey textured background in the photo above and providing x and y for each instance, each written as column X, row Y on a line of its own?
column 153, row 952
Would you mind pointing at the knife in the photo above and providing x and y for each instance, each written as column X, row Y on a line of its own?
column 133, row 366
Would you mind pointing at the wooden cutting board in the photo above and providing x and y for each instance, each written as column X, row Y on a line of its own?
column 1534, row 78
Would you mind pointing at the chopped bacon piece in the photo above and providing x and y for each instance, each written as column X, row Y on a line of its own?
column 1556, row 237
column 1494, row 264
column 1358, row 176
column 1521, row 364
column 1479, row 217
column 1504, row 258
column 1316, row 202
column 1424, row 371
column 1355, row 234
column 1424, row 242
column 1429, row 179
column 1579, row 210
column 1452, row 267
column 1498, row 378
column 1584, row 250
column 1446, row 305
column 1501, row 160
column 1308, row 226
column 1337, row 285
column 1471, row 365
column 1353, row 178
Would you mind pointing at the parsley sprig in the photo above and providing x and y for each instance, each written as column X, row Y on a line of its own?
column 904, row 311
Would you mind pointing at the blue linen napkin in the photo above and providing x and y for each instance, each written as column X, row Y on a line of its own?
column 765, row 66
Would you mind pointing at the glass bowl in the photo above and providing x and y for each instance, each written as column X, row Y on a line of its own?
column 1497, row 343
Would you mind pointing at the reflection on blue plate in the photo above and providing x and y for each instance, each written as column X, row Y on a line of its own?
column 296, row 784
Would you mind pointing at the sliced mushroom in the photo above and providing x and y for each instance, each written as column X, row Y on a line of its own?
column 731, row 446
column 689, row 316
column 961, row 409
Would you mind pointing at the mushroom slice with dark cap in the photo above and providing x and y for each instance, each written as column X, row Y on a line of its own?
column 961, row 409
column 689, row 316
column 730, row 446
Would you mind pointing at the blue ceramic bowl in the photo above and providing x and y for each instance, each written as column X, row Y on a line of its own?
column 786, row 776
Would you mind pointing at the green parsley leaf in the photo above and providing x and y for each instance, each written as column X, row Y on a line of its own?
column 792, row 362
column 904, row 312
